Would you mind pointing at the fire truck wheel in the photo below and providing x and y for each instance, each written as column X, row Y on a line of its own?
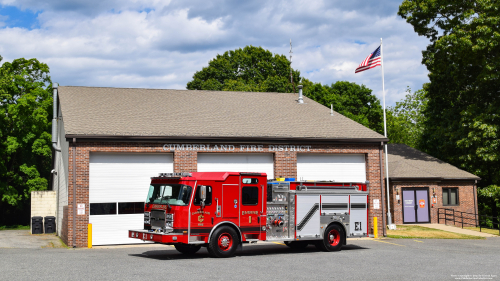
column 332, row 240
column 297, row 245
column 223, row 242
column 187, row 249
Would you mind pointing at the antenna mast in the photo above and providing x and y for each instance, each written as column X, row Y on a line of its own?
column 291, row 76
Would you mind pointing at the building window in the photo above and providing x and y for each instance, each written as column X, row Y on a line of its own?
column 208, row 200
column 249, row 195
column 450, row 196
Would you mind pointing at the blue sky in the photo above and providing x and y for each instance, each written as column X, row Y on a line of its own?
column 11, row 16
column 160, row 44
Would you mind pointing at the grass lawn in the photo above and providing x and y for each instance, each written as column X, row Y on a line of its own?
column 418, row 232
column 14, row 227
column 485, row 230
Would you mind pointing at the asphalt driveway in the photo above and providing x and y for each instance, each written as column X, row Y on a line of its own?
column 24, row 239
column 363, row 259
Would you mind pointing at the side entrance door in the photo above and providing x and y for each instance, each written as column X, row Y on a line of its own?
column 416, row 205
column 251, row 206
column 230, row 201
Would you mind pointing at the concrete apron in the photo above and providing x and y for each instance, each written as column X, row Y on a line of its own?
column 455, row 229
column 24, row 239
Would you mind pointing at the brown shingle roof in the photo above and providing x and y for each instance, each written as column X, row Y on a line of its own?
column 185, row 113
column 407, row 162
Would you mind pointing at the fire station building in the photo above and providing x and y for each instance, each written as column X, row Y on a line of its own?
column 421, row 187
column 113, row 140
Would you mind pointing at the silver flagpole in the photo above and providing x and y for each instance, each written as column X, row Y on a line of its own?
column 389, row 219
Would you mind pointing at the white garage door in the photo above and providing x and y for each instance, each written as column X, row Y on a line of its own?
column 118, row 187
column 236, row 162
column 337, row 167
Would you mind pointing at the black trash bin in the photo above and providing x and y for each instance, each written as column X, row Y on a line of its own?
column 50, row 224
column 36, row 225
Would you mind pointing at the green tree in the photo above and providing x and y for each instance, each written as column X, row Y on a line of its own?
column 463, row 58
column 25, row 141
column 251, row 69
column 349, row 99
column 405, row 121
column 489, row 204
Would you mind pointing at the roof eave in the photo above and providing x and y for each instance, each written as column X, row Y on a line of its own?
column 430, row 179
column 122, row 138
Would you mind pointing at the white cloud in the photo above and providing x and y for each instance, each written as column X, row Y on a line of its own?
column 160, row 44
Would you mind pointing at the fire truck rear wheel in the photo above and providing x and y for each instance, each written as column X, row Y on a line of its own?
column 297, row 245
column 187, row 249
column 332, row 239
column 223, row 242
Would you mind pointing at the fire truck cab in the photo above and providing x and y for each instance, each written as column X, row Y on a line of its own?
column 223, row 210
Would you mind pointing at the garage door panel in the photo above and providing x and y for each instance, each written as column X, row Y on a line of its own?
column 237, row 162
column 125, row 177
column 130, row 158
column 326, row 167
column 331, row 158
column 113, row 229
column 119, row 178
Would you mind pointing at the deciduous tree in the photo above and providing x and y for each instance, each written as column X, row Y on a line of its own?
column 251, row 69
column 405, row 120
column 25, row 141
column 351, row 100
column 463, row 58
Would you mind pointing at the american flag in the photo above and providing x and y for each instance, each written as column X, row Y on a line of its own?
column 371, row 61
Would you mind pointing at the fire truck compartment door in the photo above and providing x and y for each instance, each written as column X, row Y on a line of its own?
column 230, row 201
column 334, row 204
column 308, row 217
column 359, row 215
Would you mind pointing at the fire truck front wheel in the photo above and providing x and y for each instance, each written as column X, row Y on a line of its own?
column 223, row 242
column 187, row 249
column 332, row 239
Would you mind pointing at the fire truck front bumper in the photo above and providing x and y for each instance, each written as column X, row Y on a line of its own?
column 164, row 238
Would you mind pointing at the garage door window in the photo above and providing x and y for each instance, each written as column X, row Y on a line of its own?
column 130, row 208
column 250, row 195
column 103, row 208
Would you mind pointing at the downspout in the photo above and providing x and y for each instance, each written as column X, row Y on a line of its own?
column 54, row 119
column 54, row 144
column 474, row 189
column 382, row 189
column 74, row 192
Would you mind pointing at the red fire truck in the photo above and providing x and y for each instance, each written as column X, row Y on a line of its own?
column 223, row 210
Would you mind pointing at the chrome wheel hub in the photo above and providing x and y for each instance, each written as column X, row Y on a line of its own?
column 224, row 242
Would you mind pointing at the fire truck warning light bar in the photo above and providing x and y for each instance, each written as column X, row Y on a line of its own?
column 175, row 175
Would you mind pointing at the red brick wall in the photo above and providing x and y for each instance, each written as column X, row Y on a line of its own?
column 285, row 165
column 465, row 195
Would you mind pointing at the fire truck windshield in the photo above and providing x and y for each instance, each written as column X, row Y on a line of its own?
column 171, row 194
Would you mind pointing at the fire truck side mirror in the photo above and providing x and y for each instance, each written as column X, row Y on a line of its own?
column 203, row 195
